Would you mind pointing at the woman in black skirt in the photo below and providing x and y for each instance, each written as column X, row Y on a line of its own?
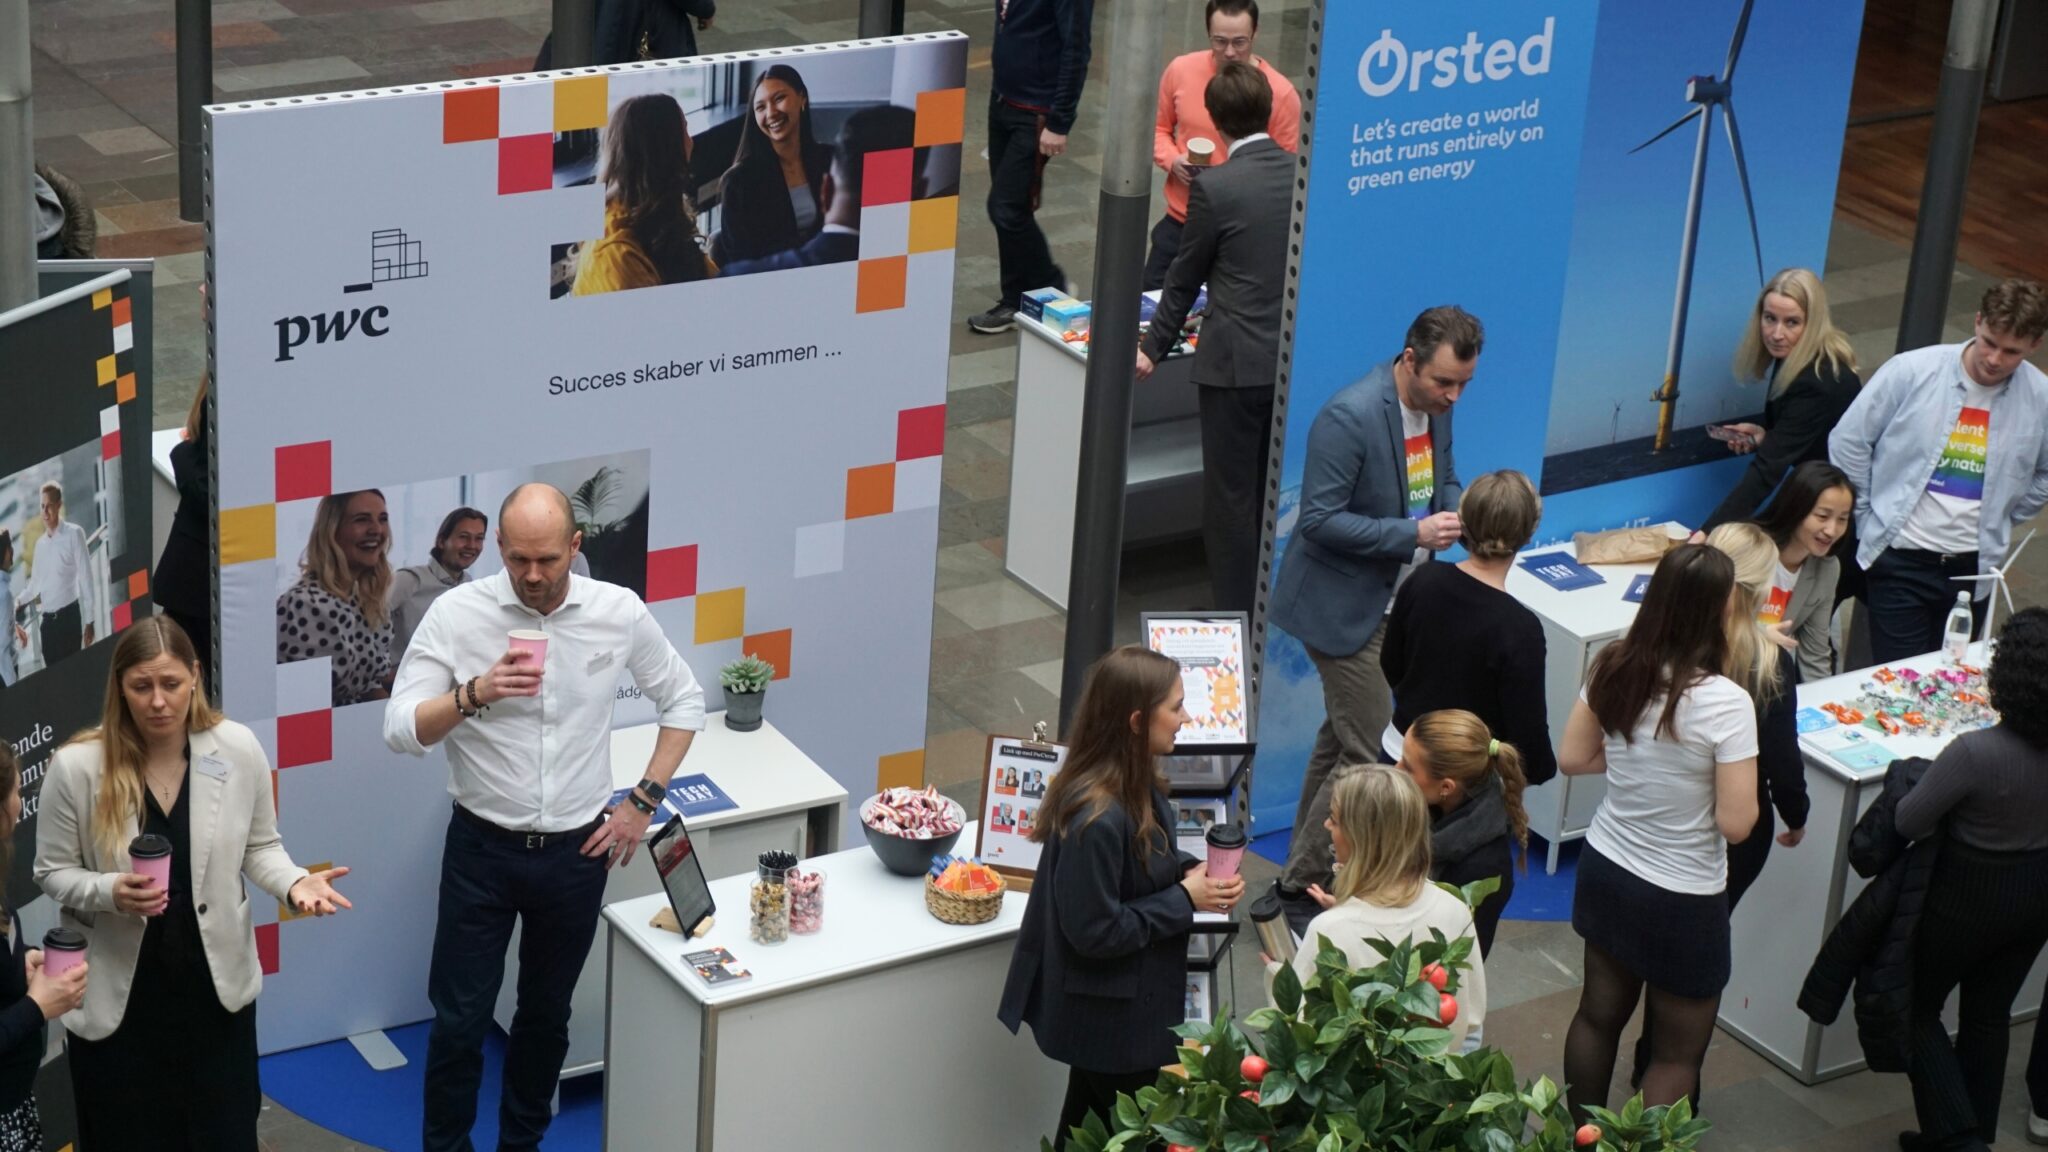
column 1677, row 741
column 163, row 1050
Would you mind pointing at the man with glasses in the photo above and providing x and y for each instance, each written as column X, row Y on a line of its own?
column 1233, row 30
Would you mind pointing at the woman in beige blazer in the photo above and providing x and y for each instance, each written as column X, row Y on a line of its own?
column 163, row 1050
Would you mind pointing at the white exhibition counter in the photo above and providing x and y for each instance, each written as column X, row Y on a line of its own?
column 1576, row 626
column 1788, row 913
column 877, row 1033
column 783, row 800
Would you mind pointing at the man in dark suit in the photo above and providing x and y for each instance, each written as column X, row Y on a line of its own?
column 882, row 128
column 1235, row 240
column 1379, row 494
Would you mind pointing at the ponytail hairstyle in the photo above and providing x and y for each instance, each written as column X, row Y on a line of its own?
column 1752, row 659
column 1385, row 819
column 1455, row 745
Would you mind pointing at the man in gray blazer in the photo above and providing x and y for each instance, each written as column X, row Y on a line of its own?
column 1379, row 494
column 1235, row 240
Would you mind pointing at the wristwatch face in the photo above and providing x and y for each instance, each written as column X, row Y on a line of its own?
column 652, row 791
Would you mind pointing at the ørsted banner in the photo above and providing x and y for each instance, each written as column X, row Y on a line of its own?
column 426, row 296
column 1485, row 153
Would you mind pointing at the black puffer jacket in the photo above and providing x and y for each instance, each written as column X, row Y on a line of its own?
column 1872, row 945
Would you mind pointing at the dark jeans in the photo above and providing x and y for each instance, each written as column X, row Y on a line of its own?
column 1015, row 174
column 488, row 877
column 1237, row 423
column 1983, row 923
column 62, row 632
column 1909, row 594
column 1096, row 1092
column 1165, row 246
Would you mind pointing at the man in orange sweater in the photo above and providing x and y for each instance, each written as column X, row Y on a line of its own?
column 1233, row 30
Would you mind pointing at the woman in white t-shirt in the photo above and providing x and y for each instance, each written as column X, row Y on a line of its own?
column 1677, row 741
column 1379, row 833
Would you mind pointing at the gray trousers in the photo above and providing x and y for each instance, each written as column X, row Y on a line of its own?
column 1357, row 705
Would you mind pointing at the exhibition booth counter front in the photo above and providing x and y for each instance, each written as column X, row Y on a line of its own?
column 883, row 1022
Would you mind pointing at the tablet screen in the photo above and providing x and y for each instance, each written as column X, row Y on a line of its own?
column 682, row 874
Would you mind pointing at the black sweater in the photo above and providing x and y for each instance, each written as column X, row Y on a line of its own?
column 1797, row 421
column 1040, row 58
column 1454, row 642
column 21, row 1028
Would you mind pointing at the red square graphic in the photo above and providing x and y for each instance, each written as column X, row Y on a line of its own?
column 110, row 445
column 305, row 738
column 469, row 114
column 124, row 615
column 526, row 163
column 266, row 948
column 672, row 573
column 305, row 471
column 886, row 177
column 921, row 432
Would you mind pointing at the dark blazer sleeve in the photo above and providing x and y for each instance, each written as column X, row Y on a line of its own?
column 1093, row 916
column 1076, row 29
column 1525, row 714
column 1185, row 276
column 1449, row 489
column 23, row 1019
column 1807, row 412
column 1777, row 750
column 1336, row 458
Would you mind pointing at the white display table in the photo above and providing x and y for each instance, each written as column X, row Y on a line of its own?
column 1576, row 626
column 1163, row 486
column 784, row 801
column 879, row 1033
column 1784, row 918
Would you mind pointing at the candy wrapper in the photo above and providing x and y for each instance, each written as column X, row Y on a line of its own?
column 912, row 813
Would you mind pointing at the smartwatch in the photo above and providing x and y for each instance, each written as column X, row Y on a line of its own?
column 655, row 793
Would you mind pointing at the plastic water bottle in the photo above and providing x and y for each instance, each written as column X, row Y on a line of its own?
column 1955, row 635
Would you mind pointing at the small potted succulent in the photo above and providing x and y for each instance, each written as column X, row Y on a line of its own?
column 745, row 681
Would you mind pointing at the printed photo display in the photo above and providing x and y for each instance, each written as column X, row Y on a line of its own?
column 1210, row 651
column 1015, row 782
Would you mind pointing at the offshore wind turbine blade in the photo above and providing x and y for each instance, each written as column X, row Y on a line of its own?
column 1681, row 122
column 1735, row 41
column 1742, row 174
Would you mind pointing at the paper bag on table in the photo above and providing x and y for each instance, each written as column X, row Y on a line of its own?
column 1623, row 545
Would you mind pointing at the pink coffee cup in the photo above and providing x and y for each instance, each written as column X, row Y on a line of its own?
column 1226, row 848
column 532, row 646
column 63, row 950
column 150, row 855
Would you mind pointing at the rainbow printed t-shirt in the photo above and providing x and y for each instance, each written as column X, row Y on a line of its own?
column 1782, row 582
column 1420, row 462
column 1960, row 471
column 1945, row 519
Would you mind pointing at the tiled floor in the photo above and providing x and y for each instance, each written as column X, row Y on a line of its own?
column 105, row 113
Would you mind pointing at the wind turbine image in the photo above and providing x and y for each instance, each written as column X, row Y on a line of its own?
column 1704, row 93
column 1997, row 576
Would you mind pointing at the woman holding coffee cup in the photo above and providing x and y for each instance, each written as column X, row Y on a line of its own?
column 163, row 1047
column 36, row 986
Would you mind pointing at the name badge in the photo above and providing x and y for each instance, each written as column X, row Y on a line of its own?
column 598, row 663
column 210, row 765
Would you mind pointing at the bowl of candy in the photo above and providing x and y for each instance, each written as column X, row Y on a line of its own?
column 908, row 826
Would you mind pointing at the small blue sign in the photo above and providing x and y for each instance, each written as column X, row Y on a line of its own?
column 1636, row 588
column 1561, row 572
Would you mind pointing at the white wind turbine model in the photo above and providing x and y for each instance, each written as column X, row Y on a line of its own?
column 1998, row 585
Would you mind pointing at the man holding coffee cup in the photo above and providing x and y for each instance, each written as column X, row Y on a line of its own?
column 517, row 673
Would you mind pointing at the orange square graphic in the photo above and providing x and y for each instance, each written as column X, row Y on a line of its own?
column 124, row 388
column 941, row 117
column 900, row 770
column 870, row 491
column 469, row 114
column 882, row 284
column 933, row 224
column 138, row 583
column 772, row 647
column 124, row 311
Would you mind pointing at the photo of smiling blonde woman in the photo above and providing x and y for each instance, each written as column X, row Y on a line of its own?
column 337, row 608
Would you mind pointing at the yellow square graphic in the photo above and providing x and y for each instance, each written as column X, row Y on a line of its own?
column 933, row 224
column 248, row 534
column 721, row 615
column 102, row 299
column 106, row 370
column 579, row 103
column 900, row 770
column 285, row 911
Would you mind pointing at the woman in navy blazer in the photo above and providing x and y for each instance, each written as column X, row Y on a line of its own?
column 1101, row 958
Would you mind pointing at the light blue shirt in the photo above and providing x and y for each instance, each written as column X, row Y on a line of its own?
column 7, row 665
column 1891, row 438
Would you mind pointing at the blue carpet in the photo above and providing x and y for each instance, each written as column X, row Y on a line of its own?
column 329, row 1085
column 1538, row 895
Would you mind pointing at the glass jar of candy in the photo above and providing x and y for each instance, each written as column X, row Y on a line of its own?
column 806, row 902
column 768, row 899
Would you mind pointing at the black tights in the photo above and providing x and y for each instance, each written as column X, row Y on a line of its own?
column 1608, row 999
column 1096, row 1092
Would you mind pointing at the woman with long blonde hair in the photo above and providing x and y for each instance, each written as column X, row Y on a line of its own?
column 163, row 1048
column 1473, row 784
column 1792, row 347
column 1379, row 832
column 337, row 609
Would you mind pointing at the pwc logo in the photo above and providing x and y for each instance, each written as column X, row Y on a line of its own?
column 393, row 256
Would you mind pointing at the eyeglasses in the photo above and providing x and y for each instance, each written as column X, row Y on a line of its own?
column 1227, row 43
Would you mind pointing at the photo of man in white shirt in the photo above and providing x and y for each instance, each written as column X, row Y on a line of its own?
column 62, row 568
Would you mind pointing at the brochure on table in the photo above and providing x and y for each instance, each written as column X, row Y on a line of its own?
column 1013, row 784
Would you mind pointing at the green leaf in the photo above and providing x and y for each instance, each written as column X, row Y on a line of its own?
column 1168, row 1109
column 1278, row 1088
column 1488, row 1101
column 1244, row 1116
column 1420, row 999
column 1340, row 996
column 1329, row 1143
column 1287, row 990
column 1121, row 1139
column 1262, row 1019
column 1496, row 1140
column 1183, row 1130
column 1128, row 1116
column 1428, row 1041
column 1241, row 1142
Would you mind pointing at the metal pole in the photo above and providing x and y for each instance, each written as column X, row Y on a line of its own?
column 1122, row 220
column 195, row 92
column 881, row 18
column 574, row 31
column 17, row 161
column 1667, row 396
column 1971, row 26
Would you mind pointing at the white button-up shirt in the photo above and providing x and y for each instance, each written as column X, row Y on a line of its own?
column 540, row 763
column 63, row 571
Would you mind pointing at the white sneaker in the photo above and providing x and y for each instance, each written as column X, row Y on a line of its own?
column 2037, row 1129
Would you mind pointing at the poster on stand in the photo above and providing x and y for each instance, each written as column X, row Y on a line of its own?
column 1210, row 651
column 1013, row 786
column 1507, row 159
column 600, row 280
